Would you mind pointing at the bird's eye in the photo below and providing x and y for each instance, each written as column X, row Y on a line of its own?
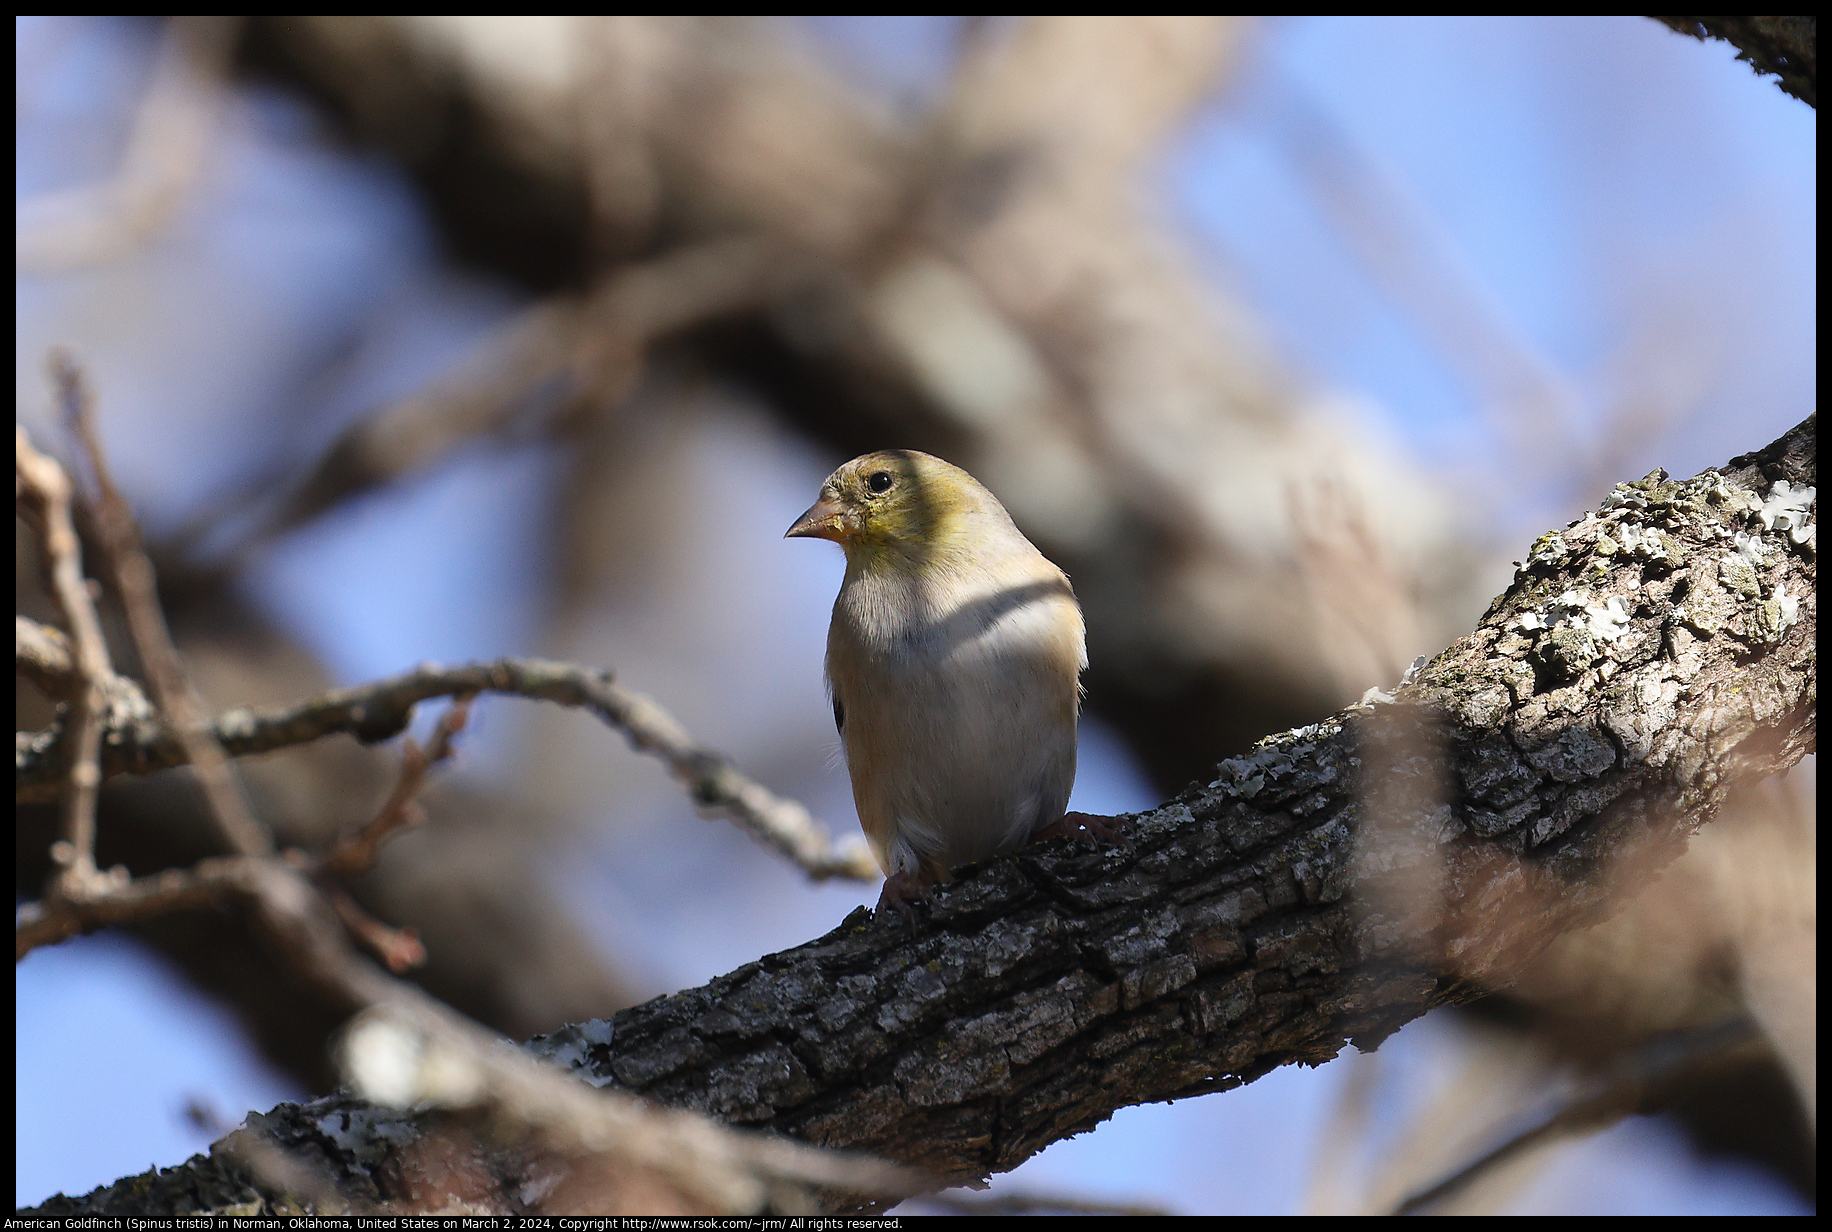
column 879, row 482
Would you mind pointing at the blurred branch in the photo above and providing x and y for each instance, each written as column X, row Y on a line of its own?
column 132, row 573
column 593, row 345
column 1729, row 928
column 1787, row 47
column 1659, row 1065
column 42, row 495
column 1726, row 932
column 357, row 852
column 166, row 153
column 453, row 1065
column 1529, row 403
column 42, row 654
column 1583, row 737
column 380, row 710
column 411, row 1050
column 399, row 949
column 1369, row 623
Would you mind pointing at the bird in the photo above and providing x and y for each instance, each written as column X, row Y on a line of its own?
column 954, row 666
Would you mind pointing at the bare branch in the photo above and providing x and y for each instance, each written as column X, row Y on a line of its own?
column 399, row 949
column 120, row 901
column 43, row 494
column 126, row 560
column 380, row 710
column 358, row 851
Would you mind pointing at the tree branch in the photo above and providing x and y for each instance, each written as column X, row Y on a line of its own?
column 1337, row 882
column 381, row 710
column 124, row 556
column 42, row 494
column 1787, row 47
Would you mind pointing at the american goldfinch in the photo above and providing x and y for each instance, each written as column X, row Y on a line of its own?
column 954, row 663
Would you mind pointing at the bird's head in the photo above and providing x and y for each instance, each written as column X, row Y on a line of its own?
column 897, row 503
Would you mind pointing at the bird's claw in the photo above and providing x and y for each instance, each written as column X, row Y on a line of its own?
column 900, row 889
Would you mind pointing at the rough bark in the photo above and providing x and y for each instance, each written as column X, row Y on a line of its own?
column 1787, row 47
column 1337, row 882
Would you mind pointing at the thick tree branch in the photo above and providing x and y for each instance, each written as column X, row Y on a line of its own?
column 1334, row 884
column 1784, row 46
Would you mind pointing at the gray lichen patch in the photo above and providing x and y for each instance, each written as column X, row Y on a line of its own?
column 1770, row 619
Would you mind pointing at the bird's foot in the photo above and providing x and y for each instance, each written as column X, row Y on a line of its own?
column 900, row 889
column 1085, row 826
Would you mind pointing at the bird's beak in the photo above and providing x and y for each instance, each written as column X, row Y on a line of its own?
column 825, row 519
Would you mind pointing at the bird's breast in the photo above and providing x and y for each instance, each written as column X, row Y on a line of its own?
column 960, row 721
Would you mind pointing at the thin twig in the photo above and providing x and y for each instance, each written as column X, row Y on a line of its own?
column 119, row 535
column 357, row 852
column 382, row 709
column 118, row 901
column 400, row 949
column 43, row 493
